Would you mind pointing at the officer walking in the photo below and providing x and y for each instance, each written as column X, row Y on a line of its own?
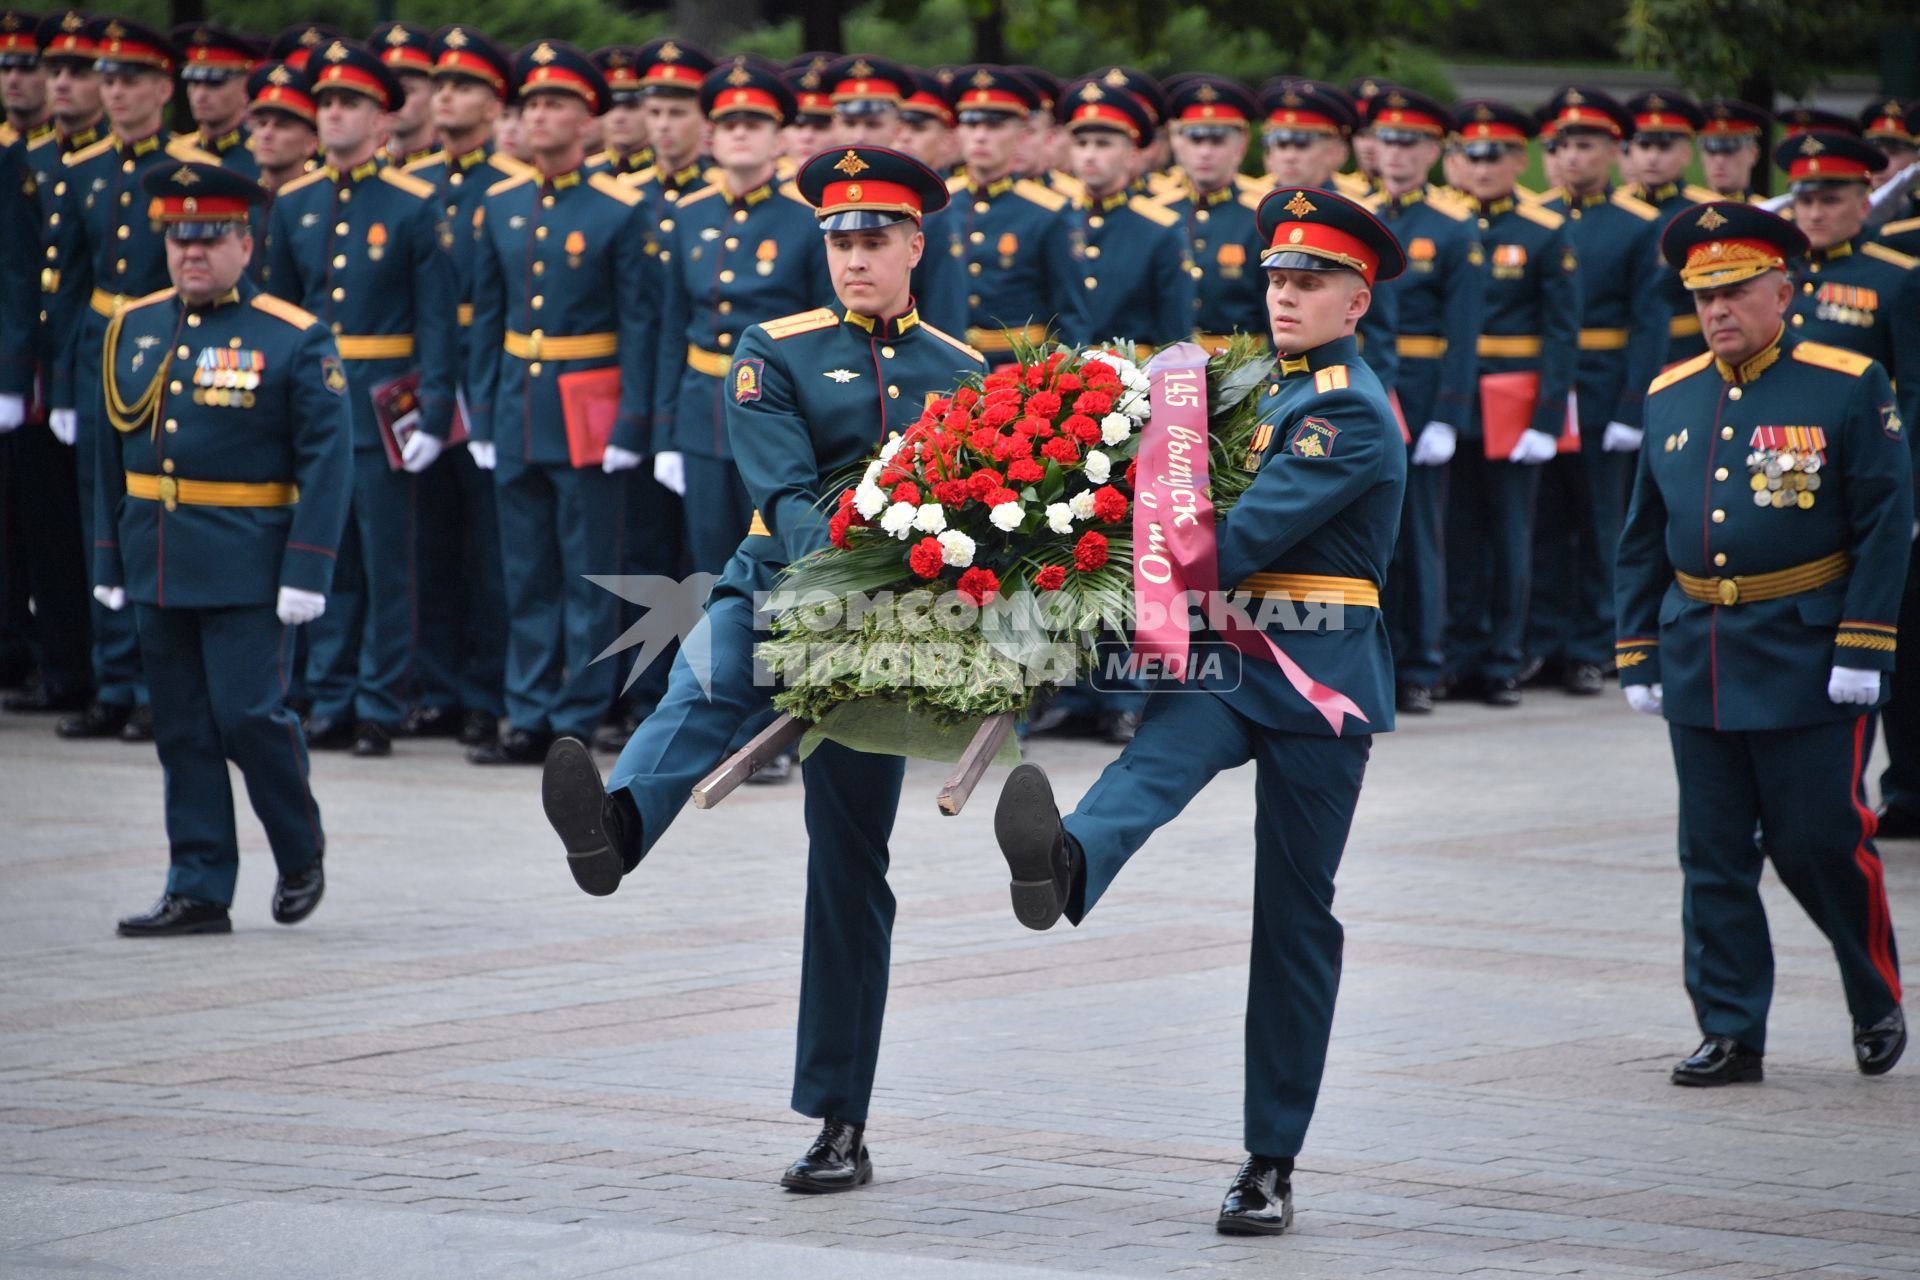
column 566, row 293
column 1440, row 298
column 743, row 248
column 1212, row 117
column 224, row 472
column 1528, row 349
column 795, row 430
column 1320, row 516
column 1759, row 578
column 362, row 245
column 105, row 253
column 1623, row 343
column 214, row 69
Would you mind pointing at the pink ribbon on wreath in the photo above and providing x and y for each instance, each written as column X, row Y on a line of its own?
column 1175, row 551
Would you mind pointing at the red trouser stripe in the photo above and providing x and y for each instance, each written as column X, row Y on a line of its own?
column 1879, row 919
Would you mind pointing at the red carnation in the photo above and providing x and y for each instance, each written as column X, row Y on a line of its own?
column 999, row 496
column 837, row 527
column 1099, row 373
column 998, row 415
column 976, row 584
column 958, row 422
column 1036, row 376
column 983, row 482
column 907, row 491
column 893, row 476
column 965, row 398
column 1108, row 504
column 846, row 499
column 1053, row 361
column 1061, row 450
column 1133, row 469
column 1025, row 471
column 1095, row 404
column 1051, row 578
column 1015, row 447
column 982, row 441
column 938, row 406
column 1090, row 552
column 1082, row 428
column 1068, row 382
column 1002, row 378
column 1043, row 404
column 1030, row 425
column 925, row 558
column 951, row 494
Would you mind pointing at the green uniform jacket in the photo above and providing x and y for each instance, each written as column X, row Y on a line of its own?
column 1865, row 297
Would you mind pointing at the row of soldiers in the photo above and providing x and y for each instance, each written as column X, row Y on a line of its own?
column 1516, row 345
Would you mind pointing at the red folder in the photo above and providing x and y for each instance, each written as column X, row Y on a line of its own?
column 590, row 403
column 396, row 410
column 1507, row 402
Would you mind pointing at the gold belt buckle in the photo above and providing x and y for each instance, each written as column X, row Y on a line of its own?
column 533, row 344
column 169, row 492
column 1729, row 591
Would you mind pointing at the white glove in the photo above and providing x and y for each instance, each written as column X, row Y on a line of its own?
column 670, row 469
column 296, row 606
column 1852, row 685
column 1620, row 438
column 115, row 598
column 13, row 412
column 483, row 454
column 1644, row 698
column 1435, row 445
column 618, row 459
column 65, row 425
column 419, row 452
column 1534, row 448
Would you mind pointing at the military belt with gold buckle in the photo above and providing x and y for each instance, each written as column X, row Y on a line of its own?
column 1358, row 592
column 540, row 345
column 1751, row 588
column 172, row 492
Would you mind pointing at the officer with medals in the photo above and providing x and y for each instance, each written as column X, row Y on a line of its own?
column 463, row 617
column 1658, row 152
column 1138, row 280
column 1320, row 516
column 671, row 73
column 744, row 248
column 1023, row 280
column 1758, row 581
column 105, row 252
column 362, row 245
column 1212, row 117
column 1623, row 343
column 48, row 567
column 1731, row 146
column 624, row 126
column 809, row 395
column 1529, row 349
column 214, row 67
column 566, row 312
column 407, row 49
column 1440, row 298
column 224, row 468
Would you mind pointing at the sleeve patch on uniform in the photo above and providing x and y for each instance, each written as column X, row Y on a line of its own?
column 333, row 374
column 747, row 375
column 1890, row 420
column 1313, row 439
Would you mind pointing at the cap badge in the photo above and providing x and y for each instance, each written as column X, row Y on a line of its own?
column 851, row 164
column 1300, row 206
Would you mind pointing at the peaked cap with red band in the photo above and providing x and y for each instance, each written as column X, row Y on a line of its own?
column 1307, row 229
column 554, row 66
column 1726, row 241
column 1087, row 104
column 199, row 201
column 460, row 52
column 860, row 188
column 747, row 85
column 1824, row 155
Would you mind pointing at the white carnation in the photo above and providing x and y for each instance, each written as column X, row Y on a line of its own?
column 873, row 472
column 956, row 548
column 1099, row 466
column 1081, row 505
column 932, row 518
column 899, row 519
column 1115, row 428
column 1139, row 408
column 869, row 499
column 1060, row 517
column 1006, row 517
column 891, row 447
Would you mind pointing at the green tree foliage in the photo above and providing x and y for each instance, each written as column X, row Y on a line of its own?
column 1731, row 46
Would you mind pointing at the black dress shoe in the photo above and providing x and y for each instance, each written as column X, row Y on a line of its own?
column 99, row 720
column 295, row 896
column 371, row 741
column 139, row 726
column 1719, row 1060
column 515, row 746
column 37, row 700
column 1260, row 1201
column 1501, row 692
column 478, row 727
column 173, row 916
column 773, row 772
column 1041, row 859
column 1120, row 727
column 430, row 722
column 1583, row 679
column 1878, row 1047
column 613, row 736
column 324, row 734
column 601, row 832
column 837, row 1161
column 1413, row 699
column 1898, row 823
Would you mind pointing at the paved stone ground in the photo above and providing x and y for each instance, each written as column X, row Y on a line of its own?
column 463, row 1067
